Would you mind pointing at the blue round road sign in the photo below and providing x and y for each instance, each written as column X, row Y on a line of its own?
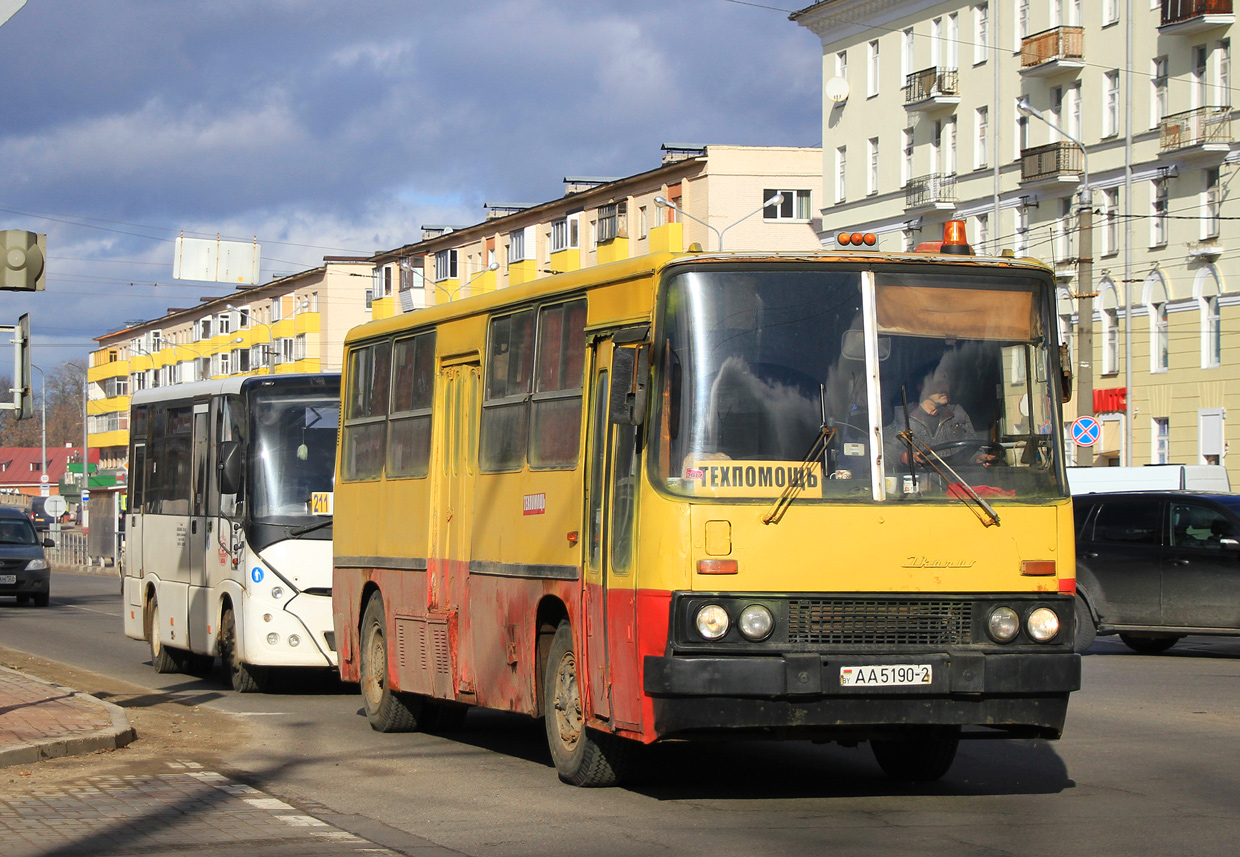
column 1086, row 431
column 256, row 574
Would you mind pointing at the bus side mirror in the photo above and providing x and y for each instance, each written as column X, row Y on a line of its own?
column 1065, row 374
column 630, row 371
column 230, row 467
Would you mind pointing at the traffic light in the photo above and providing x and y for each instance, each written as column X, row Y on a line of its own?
column 25, row 404
column 23, row 260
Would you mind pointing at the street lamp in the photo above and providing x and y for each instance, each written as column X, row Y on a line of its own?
column 663, row 202
column 494, row 266
column 1085, row 272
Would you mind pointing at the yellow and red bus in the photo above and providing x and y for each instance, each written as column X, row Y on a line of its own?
column 693, row 495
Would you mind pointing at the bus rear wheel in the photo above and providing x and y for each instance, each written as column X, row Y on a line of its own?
column 921, row 756
column 1151, row 644
column 162, row 658
column 582, row 756
column 387, row 710
column 243, row 677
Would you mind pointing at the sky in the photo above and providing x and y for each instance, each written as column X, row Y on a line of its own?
column 340, row 127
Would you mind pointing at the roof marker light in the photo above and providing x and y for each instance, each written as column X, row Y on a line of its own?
column 955, row 240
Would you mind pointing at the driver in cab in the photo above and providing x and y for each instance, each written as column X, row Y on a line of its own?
column 938, row 424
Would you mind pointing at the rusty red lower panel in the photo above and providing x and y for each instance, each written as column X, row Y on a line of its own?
column 489, row 630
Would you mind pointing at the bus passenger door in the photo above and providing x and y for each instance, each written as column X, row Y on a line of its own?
column 447, row 573
column 610, row 577
column 195, row 628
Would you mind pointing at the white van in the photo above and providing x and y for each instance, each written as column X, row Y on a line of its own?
column 1151, row 477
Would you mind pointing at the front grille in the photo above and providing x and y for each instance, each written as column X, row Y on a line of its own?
column 879, row 622
column 13, row 564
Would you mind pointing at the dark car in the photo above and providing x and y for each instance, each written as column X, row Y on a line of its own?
column 39, row 515
column 23, row 566
column 1154, row 566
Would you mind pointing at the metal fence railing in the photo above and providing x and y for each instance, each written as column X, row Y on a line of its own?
column 1198, row 127
column 1174, row 11
column 1058, row 43
column 931, row 83
column 930, row 190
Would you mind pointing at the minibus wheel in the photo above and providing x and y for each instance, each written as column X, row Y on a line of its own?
column 243, row 677
column 387, row 709
column 582, row 756
column 921, row 756
column 162, row 658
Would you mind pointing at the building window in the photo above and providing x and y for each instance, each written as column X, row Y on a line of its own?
column 1110, row 104
column 1110, row 12
column 841, row 169
column 981, row 151
column 952, row 48
column 1156, row 306
column 981, row 33
column 1022, row 133
column 793, row 206
column 1110, row 328
column 1211, row 321
column 1158, row 212
column 566, row 233
column 1022, row 231
column 871, row 71
column 370, row 298
column 202, row 329
column 1063, row 232
column 871, row 182
column 1160, row 440
column 1211, row 199
column 906, row 54
column 983, row 234
column 1110, row 221
column 841, row 64
column 612, row 221
column 1073, row 110
column 1158, row 90
column 1223, row 69
column 1198, row 79
column 906, row 162
column 445, row 265
column 516, row 247
column 949, row 147
column 1022, row 22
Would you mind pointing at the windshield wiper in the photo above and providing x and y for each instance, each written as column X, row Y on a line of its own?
column 309, row 528
column 797, row 479
column 916, row 445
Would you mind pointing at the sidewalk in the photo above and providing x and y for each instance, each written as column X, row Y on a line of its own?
column 40, row 720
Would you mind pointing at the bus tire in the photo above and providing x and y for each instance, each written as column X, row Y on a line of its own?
column 243, row 677
column 162, row 658
column 582, row 756
column 387, row 710
column 921, row 756
column 1086, row 631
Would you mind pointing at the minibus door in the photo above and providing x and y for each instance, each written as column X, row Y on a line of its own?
column 194, row 631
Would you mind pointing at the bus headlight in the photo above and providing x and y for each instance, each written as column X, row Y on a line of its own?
column 294, row 640
column 756, row 622
column 712, row 622
column 273, row 638
column 1003, row 624
column 1043, row 624
column 277, row 592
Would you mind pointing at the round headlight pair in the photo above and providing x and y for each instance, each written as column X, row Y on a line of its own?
column 756, row 622
column 1004, row 624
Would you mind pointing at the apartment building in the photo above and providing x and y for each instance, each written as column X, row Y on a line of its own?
column 291, row 324
column 921, row 125
column 703, row 195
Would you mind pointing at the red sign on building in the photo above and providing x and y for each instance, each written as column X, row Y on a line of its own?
column 1107, row 401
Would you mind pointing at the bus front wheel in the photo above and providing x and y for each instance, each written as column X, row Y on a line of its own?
column 387, row 709
column 162, row 658
column 921, row 756
column 582, row 756
column 243, row 677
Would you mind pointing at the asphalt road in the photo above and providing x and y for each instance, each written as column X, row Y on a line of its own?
column 1149, row 765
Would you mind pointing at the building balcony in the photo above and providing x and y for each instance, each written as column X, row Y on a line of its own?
column 931, row 88
column 1051, row 52
column 1185, row 17
column 1204, row 132
column 933, row 192
column 1054, row 163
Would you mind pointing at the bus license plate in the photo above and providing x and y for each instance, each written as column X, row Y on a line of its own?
column 8, row 578
column 887, row 675
column 321, row 502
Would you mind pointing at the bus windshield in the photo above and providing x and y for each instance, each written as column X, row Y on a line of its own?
column 776, row 377
column 292, row 452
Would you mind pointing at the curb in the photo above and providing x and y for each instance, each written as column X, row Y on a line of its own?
column 118, row 734
column 96, row 570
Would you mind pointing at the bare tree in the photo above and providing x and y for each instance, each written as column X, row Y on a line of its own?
column 63, row 388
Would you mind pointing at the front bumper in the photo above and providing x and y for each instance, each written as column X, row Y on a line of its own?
column 28, row 583
column 1025, row 694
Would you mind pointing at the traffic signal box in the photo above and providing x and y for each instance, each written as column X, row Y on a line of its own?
column 23, row 260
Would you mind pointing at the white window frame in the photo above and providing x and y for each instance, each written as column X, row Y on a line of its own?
column 1206, row 290
column 872, row 69
column 793, row 208
column 1222, row 72
column 1110, row 12
column 907, row 65
column 1110, row 327
column 1156, row 308
column 906, row 159
column 1160, row 440
column 952, row 46
column 1110, row 103
column 447, row 265
column 1158, row 90
column 981, row 33
column 1211, row 202
column 1110, row 221
column 1160, row 201
column 841, row 173
column 1211, row 435
column 871, row 181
